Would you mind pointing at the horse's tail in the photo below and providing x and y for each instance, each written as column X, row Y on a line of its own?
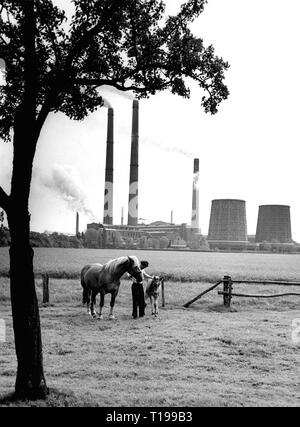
column 86, row 291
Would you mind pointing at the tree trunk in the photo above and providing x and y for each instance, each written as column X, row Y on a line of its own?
column 30, row 381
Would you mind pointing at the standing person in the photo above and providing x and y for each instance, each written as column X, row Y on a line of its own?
column 138, row 296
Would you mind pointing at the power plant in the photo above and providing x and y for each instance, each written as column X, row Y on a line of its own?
column 133, row 230
column 109, row 171
column 77, row 224
column 195, row 203
column 228, row 224
column 134, row 167
column 274, row 224
column 228, row 220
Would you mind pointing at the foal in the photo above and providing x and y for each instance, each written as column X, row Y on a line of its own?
column 152, row 292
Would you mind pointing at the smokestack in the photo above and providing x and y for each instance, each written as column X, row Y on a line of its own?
column 109, row 171
column 77, row 224
column 171, row 217
column 122, row 216
column 195, row 205
column 134, row 167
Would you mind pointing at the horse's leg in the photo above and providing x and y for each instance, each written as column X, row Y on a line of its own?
column 152, row 305
column 102, row 296
column 112, row 303
column 92, row 304
column 155, row 306
column 86, row 297
column 88, row 303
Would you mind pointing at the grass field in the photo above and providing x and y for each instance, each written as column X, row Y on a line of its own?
column 178, row 266
column 201, row 356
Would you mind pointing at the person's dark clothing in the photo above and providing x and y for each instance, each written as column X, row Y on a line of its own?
column 138, row 299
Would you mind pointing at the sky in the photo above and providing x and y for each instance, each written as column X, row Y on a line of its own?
column 248, row 151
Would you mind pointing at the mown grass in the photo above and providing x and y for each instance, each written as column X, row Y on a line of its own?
column 201, row 356
column 176, row 266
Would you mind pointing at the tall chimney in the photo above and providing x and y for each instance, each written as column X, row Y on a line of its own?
column 77, row 224
column 195, row 206
column 134, row 167
column 122, row 216
column 109, row 171
column 171, row 217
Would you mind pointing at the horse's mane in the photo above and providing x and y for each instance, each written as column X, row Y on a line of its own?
column 112, row 265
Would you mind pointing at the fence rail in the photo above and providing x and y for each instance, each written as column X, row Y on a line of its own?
column 46, row 292
column 228, row 290
column 266, row 282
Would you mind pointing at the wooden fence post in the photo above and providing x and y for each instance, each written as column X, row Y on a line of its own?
column 45, row 289
column 227, row 289
column 163, row 292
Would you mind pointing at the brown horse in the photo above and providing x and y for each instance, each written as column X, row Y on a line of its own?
column 105, row 279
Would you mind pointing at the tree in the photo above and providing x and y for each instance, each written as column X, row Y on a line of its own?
column 126, row 44
column 91, row 237
column 163, row 242
column 142, row 242
column 155, row 243
column 119, row 242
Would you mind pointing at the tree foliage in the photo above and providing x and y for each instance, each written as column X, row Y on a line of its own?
column 128, row 44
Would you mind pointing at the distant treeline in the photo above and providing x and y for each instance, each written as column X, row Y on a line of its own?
column 46, row 240
column 91, row 239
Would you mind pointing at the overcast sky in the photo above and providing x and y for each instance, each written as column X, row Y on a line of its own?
column 249, row 150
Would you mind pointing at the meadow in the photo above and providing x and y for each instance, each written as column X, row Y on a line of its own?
column 178, row 266
column 205, row 355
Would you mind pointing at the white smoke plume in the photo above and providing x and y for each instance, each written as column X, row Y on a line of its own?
column 66, row 182
column 106, row 103
column 167, row 148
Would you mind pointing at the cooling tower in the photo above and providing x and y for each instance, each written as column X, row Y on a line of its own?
column 195, row 204
column 228, row 221
column 109, row 171
column 274, row 223
column 134, row 167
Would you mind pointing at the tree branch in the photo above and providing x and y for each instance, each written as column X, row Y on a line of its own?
column 81, row 44
column 4, row 41
column 55, row 46
column 46, row 107
column 101, row 82
column 4, row 200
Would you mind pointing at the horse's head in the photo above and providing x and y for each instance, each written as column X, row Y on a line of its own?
column 134, row 268
column 155, row 284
